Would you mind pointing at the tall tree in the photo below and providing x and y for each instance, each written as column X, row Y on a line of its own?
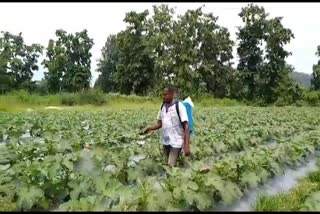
column 160, row 44
column 288, row 90
column 202, row 51
column 276, row 37
column 315, row 81
column 135, row 73
column 18, row 61
column 250, row 52
column 80, row 54
column 55, row 63
column 262, row 72
column 68, row 62
column 215, row 54
column 107, row 65
column 185, row 51
column 192, row 52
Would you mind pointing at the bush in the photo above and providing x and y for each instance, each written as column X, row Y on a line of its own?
column 207, row 101
column 281, row 102
column 288, row 101
column 301, row 103
column 94, row 97
column 22, row 95
column 68, row 99
column 312, row 97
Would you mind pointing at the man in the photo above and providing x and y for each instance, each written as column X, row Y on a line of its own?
column 175, row 133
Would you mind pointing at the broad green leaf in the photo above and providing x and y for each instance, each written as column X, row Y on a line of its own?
column 68, row 164
column 312, row 203
column 263, row 175
column 189, row 196
column 177, row 192
column 230, row 192
column 192, row 185
column 203, row 201
column 74, row 194
column 250, row 178
column 28, row 197
column 158, row 200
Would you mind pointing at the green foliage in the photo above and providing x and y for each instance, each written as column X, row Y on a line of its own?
column 203, row 53
column 288, row 90
column 24, row 100
column 68, row 62
column 17, row 62
column 315, row 81
column 7, row 205
column 251, row 55
column 194, row 53
column 135, row 71
column 107, row 66
column 22, row 95
column 68, row 99
column 208, row 101
column 312, row 203
column 28, row 197
column 160, row 42
column 291, row 201
column 312, row 97
column 41, row 87
column 303, row 197
column 262, row 72
column 94, row 97
column 275, row 71
column 191, row 51
column 50, row 170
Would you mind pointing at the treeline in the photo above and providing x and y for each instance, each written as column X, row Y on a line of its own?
column 191, row 51
column 194, row 52
column 67, row 62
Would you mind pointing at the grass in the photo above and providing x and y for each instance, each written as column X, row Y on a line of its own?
column 22, row 101
column 7, row 204
column 113, row 106
column 208, row 102
column 293, row 200
column 93, row 101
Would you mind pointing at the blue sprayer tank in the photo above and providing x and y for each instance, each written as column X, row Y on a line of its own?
column 189, row 107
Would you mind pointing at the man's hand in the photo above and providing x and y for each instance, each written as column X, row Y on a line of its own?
column 146, row 130
column 186, row 149
column 156, row 126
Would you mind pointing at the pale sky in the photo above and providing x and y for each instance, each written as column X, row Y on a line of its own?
column 39, row 21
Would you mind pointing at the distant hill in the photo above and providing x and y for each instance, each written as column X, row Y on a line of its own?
column 303, row 79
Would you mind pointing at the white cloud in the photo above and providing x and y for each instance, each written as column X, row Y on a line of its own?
column 39, row 21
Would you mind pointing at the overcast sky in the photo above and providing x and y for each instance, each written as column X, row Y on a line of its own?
column 39, row 21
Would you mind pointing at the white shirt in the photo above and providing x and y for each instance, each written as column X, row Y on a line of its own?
column 172, row 130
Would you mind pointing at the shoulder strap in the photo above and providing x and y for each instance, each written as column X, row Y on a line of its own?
column 161, row 109
column 178, row 112
column 161, row 106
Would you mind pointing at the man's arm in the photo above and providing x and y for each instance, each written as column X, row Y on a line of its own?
column 186, row 138
column 156, row 126
column 185, row 124
column 153, row 127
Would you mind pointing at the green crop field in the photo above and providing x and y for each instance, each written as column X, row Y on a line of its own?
column 44, row 166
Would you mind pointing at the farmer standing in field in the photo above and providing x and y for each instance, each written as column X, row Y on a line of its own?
column 175, row 130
